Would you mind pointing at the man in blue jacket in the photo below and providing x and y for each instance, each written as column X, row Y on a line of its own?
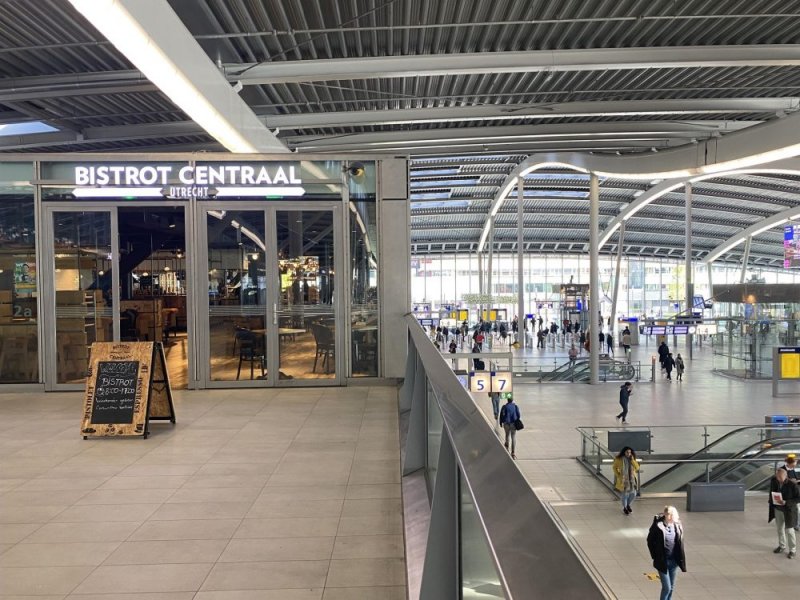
column 509, row 415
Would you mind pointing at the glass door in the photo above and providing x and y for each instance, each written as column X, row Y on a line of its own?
column 79, row 286
column 307, row 319
column 235, row 265
column 272, row 305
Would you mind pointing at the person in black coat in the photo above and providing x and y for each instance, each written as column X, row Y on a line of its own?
column 783, row 498
column 665, row 541
column 669, row 364
column 624, row 396
column 663, row 351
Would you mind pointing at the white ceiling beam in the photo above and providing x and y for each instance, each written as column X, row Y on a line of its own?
column 754, row 230
column 382, row 139
column 155, row 40
column 595, row 59
column 458, row 114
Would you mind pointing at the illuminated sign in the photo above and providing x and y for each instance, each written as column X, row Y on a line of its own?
column 791, row 246
column 789, row 362
column 189, row 181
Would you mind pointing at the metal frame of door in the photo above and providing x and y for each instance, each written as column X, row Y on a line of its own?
column 48, row 302
column 270, row 308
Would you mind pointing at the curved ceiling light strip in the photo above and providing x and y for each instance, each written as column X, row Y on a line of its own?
column 780, row 218
column 766, row 143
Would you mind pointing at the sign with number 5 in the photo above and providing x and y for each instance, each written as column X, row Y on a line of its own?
column 480, row 382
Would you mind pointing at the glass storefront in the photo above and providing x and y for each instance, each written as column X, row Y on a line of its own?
column 19, row 348
column 231, row 265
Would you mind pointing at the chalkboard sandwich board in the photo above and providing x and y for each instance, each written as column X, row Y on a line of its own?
column 127, row 387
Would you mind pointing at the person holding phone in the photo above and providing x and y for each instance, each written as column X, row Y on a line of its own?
column 783, row 498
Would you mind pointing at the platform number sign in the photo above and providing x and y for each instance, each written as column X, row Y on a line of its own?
column 501, row 381
column 495, row 381
column 480, row 382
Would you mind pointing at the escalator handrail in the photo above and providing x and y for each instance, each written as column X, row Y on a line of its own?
column 731, row 462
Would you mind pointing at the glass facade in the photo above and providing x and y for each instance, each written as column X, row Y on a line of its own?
column 19, row 347
column 231, row 265
column 648, row 286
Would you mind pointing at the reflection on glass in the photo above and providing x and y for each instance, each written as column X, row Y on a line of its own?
column 18, row 338
column 82, row 244
column 152, row 275
column 479, row 579
column 236, row 295
column 364, row 286
column 434, row 428
column 306, row 318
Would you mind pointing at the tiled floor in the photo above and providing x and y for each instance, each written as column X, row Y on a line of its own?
column 254, row 495
column 729, row 555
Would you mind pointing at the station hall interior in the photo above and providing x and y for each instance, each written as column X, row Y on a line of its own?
column 331, row 240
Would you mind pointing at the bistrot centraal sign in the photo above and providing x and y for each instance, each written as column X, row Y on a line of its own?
column 189, row 181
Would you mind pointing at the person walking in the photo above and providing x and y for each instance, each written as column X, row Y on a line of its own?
column 540, row 339
column 509, row 415
column 625, row 392
column 626, row 341
column 663, row 350
column 666, row 544
column 610, row 343
column 582, row 341
column 495, row 396
column 680, row 367
column 669, row 364
column 573, row 354
column 783, row 498
column 626, row 477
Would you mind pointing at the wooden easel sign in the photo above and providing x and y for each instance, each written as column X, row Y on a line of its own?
column 127, row 387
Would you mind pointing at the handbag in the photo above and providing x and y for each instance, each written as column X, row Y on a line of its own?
column 518, row 424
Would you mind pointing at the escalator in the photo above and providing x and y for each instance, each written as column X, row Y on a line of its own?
column 610, row 370
column 741, row 443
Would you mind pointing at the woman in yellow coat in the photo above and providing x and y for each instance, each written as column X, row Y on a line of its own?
column 626, row 477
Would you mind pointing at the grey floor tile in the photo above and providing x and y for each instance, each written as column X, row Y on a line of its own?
column 145, row 578
column 300, row 574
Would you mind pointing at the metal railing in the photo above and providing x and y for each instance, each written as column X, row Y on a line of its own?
column 487, row 530
column 764, row 447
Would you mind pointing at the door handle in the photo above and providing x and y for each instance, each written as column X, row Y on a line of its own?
column 275, row 314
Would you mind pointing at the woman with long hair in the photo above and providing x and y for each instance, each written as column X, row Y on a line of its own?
column 626, row 477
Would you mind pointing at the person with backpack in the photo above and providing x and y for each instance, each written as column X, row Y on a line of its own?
column 509, row 418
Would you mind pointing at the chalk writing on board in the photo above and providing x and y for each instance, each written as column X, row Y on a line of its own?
column 115, row 390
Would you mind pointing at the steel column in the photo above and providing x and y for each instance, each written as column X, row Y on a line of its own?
column 747, row 244
column 594, row 280
column 688, row 262
column 615, row 295
column 520, row 266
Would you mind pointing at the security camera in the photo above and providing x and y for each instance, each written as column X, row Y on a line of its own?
column 356, row 170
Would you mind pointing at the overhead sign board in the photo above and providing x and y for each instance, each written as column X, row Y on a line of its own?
column 493, row 381
column 216, row 180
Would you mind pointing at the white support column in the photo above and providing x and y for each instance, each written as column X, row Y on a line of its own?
column 594, row 280
column 688, row 262
column 490, row 266
column 615, row 295
column 746, row 258
column 520, row 253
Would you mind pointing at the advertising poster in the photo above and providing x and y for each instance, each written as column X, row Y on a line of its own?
column 24, row 278
column 791, row 246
